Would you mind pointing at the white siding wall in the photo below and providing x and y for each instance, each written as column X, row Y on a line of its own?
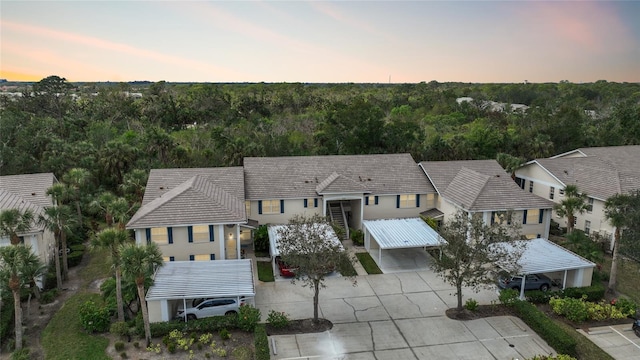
column 181, row 248
column 386, row 208
column 291, row 207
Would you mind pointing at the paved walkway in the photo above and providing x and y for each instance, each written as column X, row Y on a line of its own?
column 618, row 340
column 394, row 316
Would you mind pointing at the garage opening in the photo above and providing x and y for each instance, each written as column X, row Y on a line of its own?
column 400, row 244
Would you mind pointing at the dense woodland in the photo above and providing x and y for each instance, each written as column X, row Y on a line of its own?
column 56, row 126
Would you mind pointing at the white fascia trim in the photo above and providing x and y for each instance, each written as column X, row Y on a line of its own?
column 428, row 177
column 567, row 153
column 547, row 171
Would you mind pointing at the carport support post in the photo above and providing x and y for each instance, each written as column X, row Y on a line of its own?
column 380, row 255
column 184, row 307
column 522, row 287
column 564, row 280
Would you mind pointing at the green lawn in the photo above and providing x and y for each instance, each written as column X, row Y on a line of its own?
column 265, row 271
column 368, row 263
column 65, row 339
column 628, row 277
column 98, row 267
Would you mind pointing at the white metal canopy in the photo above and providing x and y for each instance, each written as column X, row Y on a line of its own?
column 274, row 237
column 202, row 279
column 403, row 233
column 543, row 256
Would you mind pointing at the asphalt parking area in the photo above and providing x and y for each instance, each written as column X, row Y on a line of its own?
column 394, row 316
column 618, row 340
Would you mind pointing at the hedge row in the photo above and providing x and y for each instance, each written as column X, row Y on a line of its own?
column 594, row 293
column 209, row 324
column 554, row 335
column 261, row 343
column 6, row 318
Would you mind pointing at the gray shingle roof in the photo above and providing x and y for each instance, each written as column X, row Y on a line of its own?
column 31, row 187
column 480, row 185
column 299, row 176
column 208, row 196
column 337, row 183
column 599, row 171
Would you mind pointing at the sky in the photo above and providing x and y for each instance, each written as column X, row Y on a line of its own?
column 321, row 41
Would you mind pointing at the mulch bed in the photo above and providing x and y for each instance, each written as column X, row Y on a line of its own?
column 304, row 326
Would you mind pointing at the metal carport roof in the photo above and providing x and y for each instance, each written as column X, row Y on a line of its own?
column 202, row 279
column 544, row 256
column 274, row 237
column 403, row 233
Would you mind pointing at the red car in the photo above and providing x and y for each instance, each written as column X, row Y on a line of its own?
column 285, row 270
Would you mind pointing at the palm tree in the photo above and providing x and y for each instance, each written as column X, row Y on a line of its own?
column 58, row 219
column 133, row 184
column 573, row 202
column 615, row 210
column 13, row 222
column 509, row 163
column 112, row 240
column 139, row 264
column 76, row 179
column 15, row 262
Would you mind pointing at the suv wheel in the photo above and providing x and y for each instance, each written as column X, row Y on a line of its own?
column 544, row 287
column 191, row 317
column 230, row 312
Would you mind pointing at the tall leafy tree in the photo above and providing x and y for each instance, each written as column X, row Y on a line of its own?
column 138, row 264
column 76, row 179
column 623, row 212
column 14, row 222
column 16, row 265
column 574, row 202
column 306, row 245
column 60, row 221
column 471, row 245
column 113, row 240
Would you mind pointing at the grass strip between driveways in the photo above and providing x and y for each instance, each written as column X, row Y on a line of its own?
column 64, row 338
column 368, row 263
column 265, row 271
column 628, row 277
column 585, row 348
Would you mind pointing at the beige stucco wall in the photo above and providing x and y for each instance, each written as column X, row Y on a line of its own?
column 155, row 312
column 575, row 278
column 42, row 244
column 386, row 208
column 291, row 207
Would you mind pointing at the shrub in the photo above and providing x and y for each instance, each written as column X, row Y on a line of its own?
column 278, row 319
column 248, row 318
column 119, row 346
column 554, row 335
column 261, row 343
column 626, row 306
column 224, row 334
column 579, row 310
column 471, row 304
column 357, row 236
column 508, row 296
column 48, row 297
column 209, row 324
column 94, row 318
column 124, row 355
column 261, row 239
column 119, row 328
column 594, row 293
column 22, row 354
column 74, row 258
column 6, row 317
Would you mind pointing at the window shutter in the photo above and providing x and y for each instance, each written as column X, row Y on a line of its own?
column 375, row 200
column 170, row 234
column 212, row 257
column 190, row 232
column 281, row 206
column 315, row 202
column 306, row 202
column 259, row 206
column 524, row 217
column 366, row 200
column 493, row 217
column 398, row 202
column 192, row 257
column 417, row 200
column 540, row 218
column 148, row 233
column 211, row 237
column 172, row 258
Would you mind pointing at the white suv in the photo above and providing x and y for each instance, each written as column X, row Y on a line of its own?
column 209, row 307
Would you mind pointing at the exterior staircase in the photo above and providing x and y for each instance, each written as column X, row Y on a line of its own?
column 336, row 212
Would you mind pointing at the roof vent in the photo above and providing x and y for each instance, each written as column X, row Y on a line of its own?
column 161, row 188
column 306, row 181
column 368, row 179
column 33, row 194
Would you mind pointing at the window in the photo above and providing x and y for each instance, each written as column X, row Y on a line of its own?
column 247, row 207
column 589, row 205
column 160, row 236
column 531, row 186
column 561, row 192
column 532, row 216
column 552, row 190
column 200, row 233
column 587, row 227
column 311, row 202
column 202, row 257
column 270, row 207
column 371, row 200
column 407, row 201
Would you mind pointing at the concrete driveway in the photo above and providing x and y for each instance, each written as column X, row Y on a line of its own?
column 394, row 316
column 618, row 340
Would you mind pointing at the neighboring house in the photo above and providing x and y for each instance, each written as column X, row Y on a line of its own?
column 348, row 188
column 193, row 214
column 484, row 188
column 29, row 192
column 600, row 172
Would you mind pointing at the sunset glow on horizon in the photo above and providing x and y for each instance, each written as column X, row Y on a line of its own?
column 321, row 42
